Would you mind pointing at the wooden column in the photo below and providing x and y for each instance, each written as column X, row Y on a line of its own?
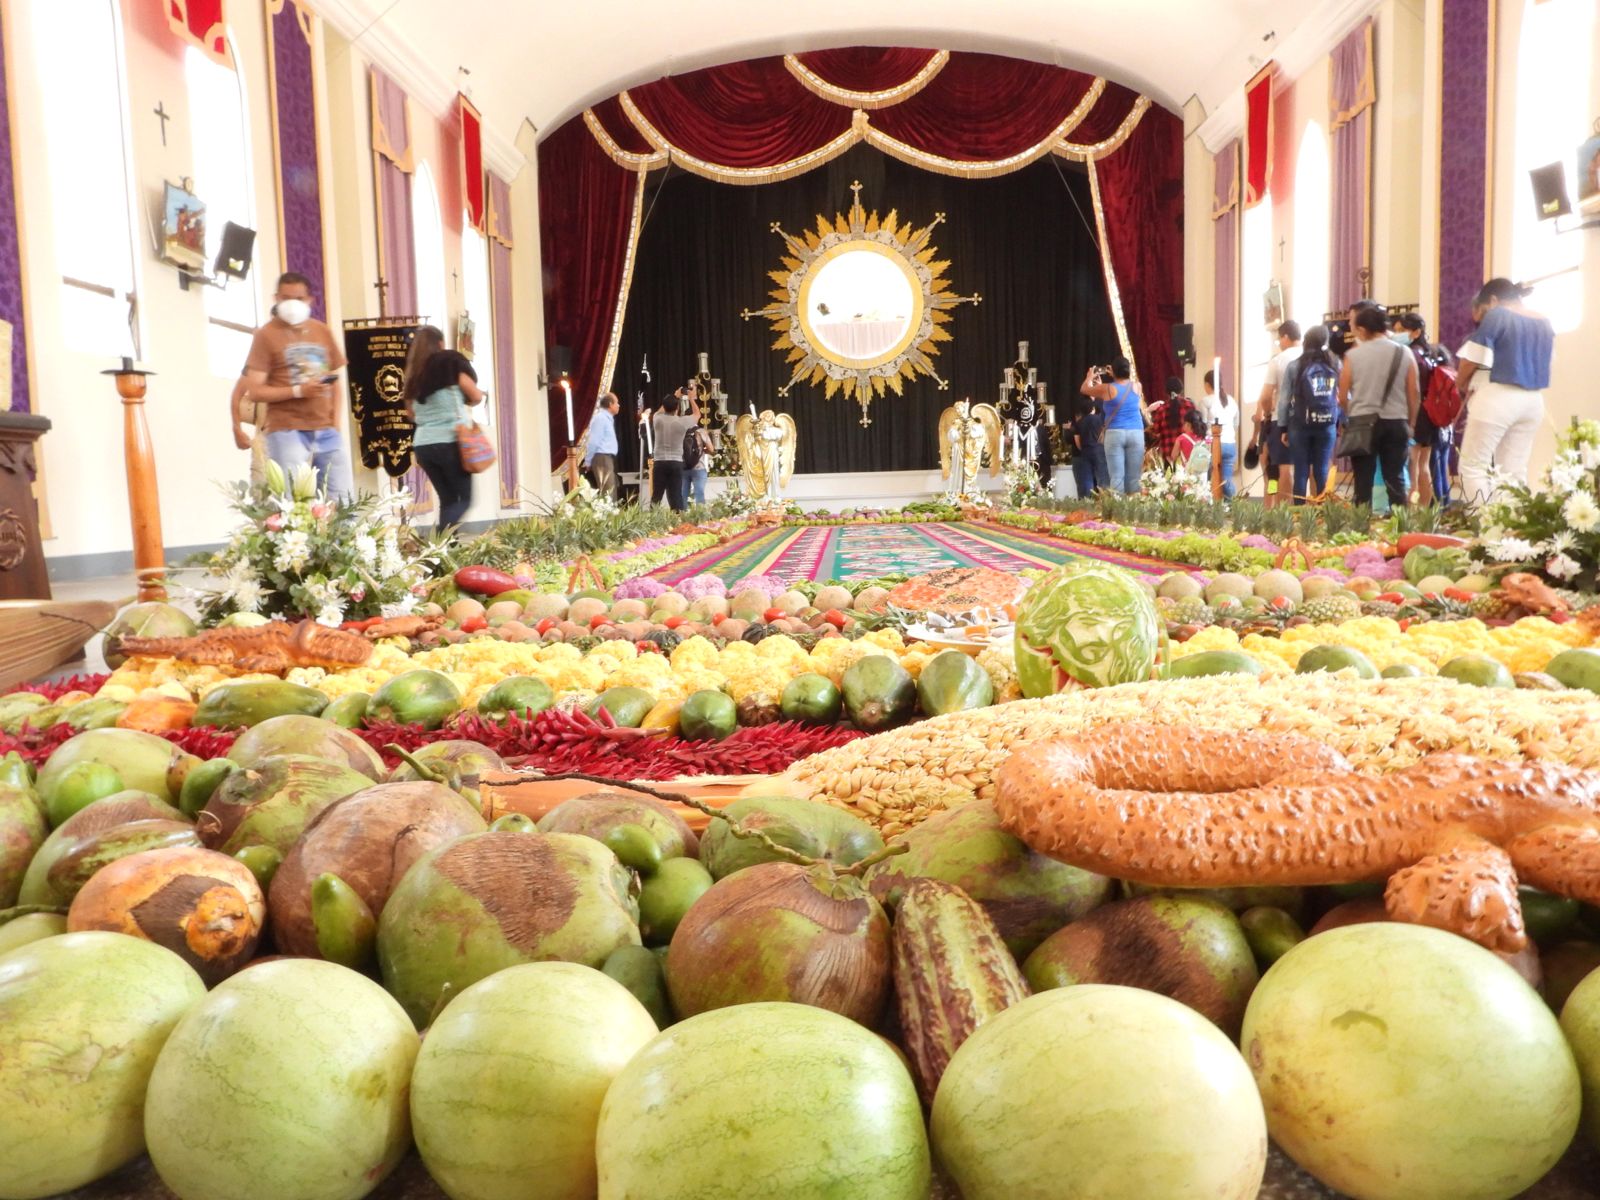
column 144, row 504
column 1216, row 460
column 572, row 468
column 23, row 572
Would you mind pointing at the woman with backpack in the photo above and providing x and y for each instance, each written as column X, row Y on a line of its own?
column 1430, row 453
column 1312, row 414
column 1378, row 393
column 1504, row 412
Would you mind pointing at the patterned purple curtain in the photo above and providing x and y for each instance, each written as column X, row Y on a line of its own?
column 1352, row 93
column 11, row 254
column 1464, row 162
column 505, row 368
column 1225, row 300
column 294, row 117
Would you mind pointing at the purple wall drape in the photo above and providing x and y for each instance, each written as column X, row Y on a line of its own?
column 505, row 338
column 295, row 118
column 1464, row 162
column 1225, row 296
column 11, row 302
column 1352, row 94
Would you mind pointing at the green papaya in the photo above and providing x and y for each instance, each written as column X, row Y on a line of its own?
column 627, row 705
column 94, row 713
column 878, row 693
column 231, row 705
column 953, row 682
column 812, row 698
column 1213, row 662
column 348, row 711
column 708, row 715
column 1577, row 668
column 523, row 695
column 640, row 971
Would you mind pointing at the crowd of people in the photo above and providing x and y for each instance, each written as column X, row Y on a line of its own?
column 1372, row 391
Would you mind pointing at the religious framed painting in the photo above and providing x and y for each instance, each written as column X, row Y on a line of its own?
column 183, row 228
column 1589, row 176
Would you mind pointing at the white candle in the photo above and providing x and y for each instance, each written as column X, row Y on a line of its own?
column 1022, row 351
column 752, row 408
column 1010, row 377
column 1033, row 376
column 571, row 437
column 649, row 438
column 705, row 363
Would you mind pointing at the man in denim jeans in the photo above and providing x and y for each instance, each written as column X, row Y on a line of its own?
column 291, row 371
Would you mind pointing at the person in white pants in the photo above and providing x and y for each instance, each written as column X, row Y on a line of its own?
column 1515, row 345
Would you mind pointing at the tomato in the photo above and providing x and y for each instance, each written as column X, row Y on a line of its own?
column 835, row 618
column 647, row 648
column 1458, row 594
column 1392, row 598
column 474, row 624
column 773, row 614
column 673, row 622
column 598, row 620
column 545, row 626
column 718, row 618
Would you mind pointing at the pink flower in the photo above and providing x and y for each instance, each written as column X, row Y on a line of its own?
column 358, row 594
column 419, row 589
column 274, row 521
column 322, row 511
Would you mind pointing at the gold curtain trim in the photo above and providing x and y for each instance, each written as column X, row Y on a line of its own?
column 614, row 346
column 819, row 86
column 744, row 175
column 1366, row 95
column 1233, row 187
column 1110, row 145
column 1110, row 272
column 623, row 158
column 496, row 230
column 381, row 144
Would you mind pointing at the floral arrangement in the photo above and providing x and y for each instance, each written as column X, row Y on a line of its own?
column 1176, row 482
column 1022, row 484
column 1554, row 531
column 299, row 554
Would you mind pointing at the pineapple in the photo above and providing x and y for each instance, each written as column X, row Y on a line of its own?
column 1192, row 610
column 1490, row 606
column 1331, row 610
column 1380, row 608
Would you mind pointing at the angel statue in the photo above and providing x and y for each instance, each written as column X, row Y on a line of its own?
column 966, row 430
column 766, row 453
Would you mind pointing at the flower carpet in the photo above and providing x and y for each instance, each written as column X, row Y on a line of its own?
column 869, row 550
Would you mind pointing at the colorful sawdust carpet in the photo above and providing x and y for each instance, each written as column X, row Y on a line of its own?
column 869, row 550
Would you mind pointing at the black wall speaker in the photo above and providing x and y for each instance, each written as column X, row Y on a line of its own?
column 560, row 361
column 1183, row 343
column 237, row 249
column 1550, row 191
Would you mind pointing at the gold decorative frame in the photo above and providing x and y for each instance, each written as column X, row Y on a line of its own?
column 908, row 247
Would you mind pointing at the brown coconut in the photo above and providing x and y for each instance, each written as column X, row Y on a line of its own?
column 203, row 906
column 369, row 840
column 596, row 814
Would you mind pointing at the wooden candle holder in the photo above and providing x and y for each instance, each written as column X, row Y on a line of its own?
column 144, row 503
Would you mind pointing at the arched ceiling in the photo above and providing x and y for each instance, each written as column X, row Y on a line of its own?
column 544, row 60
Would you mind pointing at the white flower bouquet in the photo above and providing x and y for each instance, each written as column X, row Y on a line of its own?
column 1555, row 530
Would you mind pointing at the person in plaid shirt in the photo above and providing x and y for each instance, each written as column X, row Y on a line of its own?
column 1170, row 418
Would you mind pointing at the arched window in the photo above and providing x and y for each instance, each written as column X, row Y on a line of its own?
column 1553, row 69
column 433, row 299
column 1313, row 222
column 82, row 103
column 220, row 128
column 1256, row 344
column 475, row 296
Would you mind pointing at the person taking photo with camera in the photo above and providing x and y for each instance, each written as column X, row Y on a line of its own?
column 1124, row 422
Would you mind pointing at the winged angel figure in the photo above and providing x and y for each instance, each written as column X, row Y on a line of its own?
column 766, row 453
column 966, row 431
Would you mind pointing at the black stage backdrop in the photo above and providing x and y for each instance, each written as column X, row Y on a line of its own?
column 1023, row 242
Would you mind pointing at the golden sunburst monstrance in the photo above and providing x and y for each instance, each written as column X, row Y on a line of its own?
column 905, row 344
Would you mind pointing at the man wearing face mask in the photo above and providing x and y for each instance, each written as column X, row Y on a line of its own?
column 291, row 371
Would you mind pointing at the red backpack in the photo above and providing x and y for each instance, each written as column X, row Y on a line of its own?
column 1443, row 401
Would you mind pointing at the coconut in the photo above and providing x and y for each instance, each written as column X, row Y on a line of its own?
column 1278, row 585
column 103, row 814
column 301, row 1070
column 473, row 1105
column 1363, row 1032
column 141, row 760
column 597, row 814
column 833, row 596
column 271, row 804
column 203, row 906
column 149, row 620
column 1096, row 1090
column 1178, row 586
column 313, row 736
column 492, row 900
column 809, row 827
column 82, row 1019
column 368, row 840
column 1228, row 584
column 1028, row 895
column 23, row 830
column 1193, row 951
column 629, row 610
column 542, row 606
column 869, row 599
column 453, row 757
column 67, row 873
column 782, row 931
column 821, row 1106
column 29, row 927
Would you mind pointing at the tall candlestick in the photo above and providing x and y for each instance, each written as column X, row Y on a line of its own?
column 571, row 436
column 144, row 506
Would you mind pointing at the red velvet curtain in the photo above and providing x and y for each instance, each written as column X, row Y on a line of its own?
column 757, row 114
column 585, row 216
column 1141, row 191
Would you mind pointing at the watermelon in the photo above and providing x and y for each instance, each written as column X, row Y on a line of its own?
column 82, row 1019
column 476, row 1093
column 780, row 1101
column 289, row 1079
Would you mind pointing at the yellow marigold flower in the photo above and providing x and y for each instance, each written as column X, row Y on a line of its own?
column 559, row 652
column 694, row 652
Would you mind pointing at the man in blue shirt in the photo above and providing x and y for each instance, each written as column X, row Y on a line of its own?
column 601, row 454
column 1514, row 344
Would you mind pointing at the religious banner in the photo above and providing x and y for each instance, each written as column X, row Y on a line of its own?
column 504, row 335
column 472, row 178
column 14, row 389
column 1258, row 136
column 202, row 23
column 377, row 353
column 291, row 84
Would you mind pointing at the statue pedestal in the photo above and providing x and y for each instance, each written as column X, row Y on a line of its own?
column 23, row 573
